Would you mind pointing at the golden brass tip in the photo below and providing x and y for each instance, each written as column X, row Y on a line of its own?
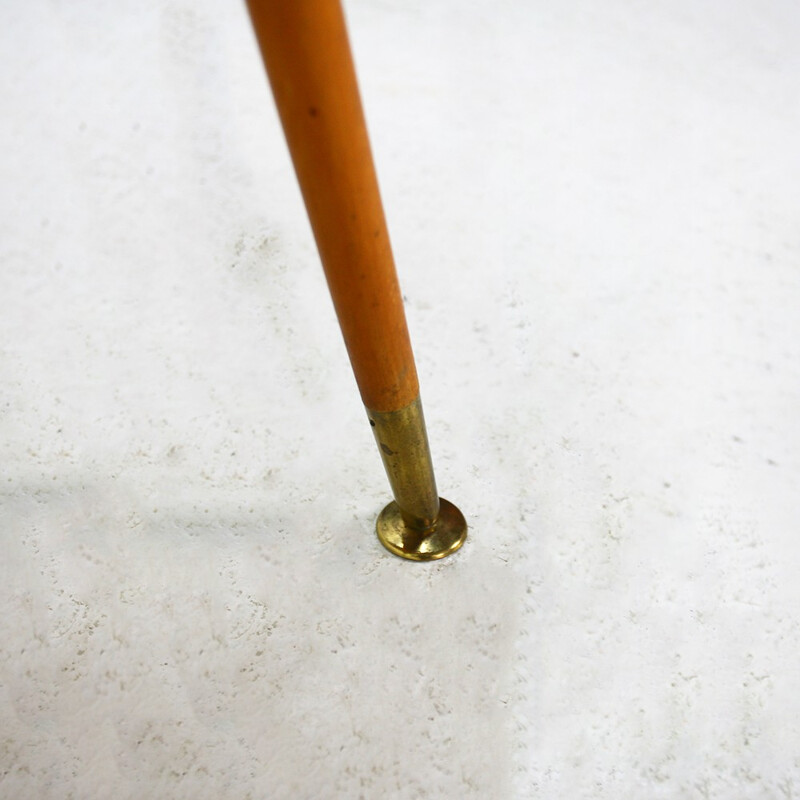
column 445, row 536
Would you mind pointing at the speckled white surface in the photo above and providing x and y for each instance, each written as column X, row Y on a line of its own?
column 596, row 216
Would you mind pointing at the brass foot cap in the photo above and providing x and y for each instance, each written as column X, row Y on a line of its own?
column 447, row 536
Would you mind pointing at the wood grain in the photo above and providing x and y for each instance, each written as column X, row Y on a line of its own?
column 307, row 55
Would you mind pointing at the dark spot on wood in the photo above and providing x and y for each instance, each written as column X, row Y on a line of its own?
column 313, row 111
column 386, row 449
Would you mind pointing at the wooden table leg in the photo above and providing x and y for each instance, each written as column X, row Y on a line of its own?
column 307, row 56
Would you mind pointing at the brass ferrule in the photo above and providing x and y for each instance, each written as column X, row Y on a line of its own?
column 403, row 444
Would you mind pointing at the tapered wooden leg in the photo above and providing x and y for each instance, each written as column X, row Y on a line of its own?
column 307, row 56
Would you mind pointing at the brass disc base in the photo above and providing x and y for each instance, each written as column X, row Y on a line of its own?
column 447, row 536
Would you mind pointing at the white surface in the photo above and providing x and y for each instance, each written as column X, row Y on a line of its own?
column 596, row 215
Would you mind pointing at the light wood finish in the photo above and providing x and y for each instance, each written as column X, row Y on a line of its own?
column 307, row 55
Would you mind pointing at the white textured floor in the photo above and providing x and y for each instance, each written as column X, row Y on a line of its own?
column 596, row 216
